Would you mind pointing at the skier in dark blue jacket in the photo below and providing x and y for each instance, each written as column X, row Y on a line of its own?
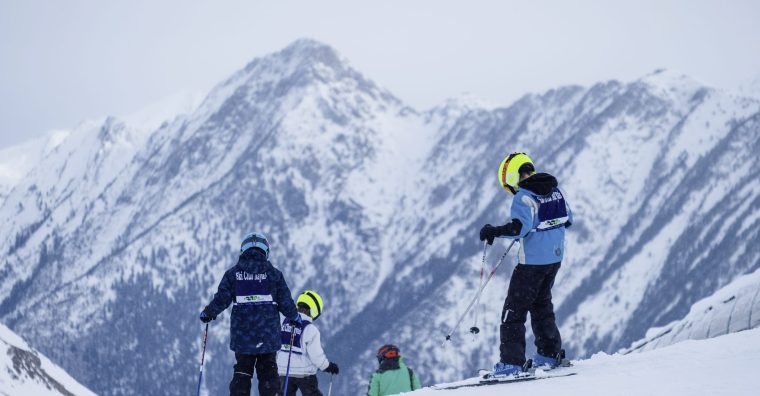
column 259, row 293
column 539, row 215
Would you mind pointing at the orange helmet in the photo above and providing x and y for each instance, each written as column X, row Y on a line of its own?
column 388, row 351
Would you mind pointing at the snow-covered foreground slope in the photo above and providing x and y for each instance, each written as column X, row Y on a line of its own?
column 725, row 365
column 25, row 372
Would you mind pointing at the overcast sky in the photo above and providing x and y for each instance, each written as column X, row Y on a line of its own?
column 64, row 61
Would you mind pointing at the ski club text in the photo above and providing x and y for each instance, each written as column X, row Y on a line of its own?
column 244, row 276
column 554, row 197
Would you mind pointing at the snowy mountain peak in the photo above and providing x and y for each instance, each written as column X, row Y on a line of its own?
column 668, row 77
column 466, row 100
column 456, row 107
column 671, row 85
column 151, row 117
column 281, row 80
column 302, row 62
column 313, row 51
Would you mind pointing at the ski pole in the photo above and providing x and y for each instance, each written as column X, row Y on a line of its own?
column 290, row 353
column 329, row 390
column 474, row 329
column 480, row 290
column 203, row 355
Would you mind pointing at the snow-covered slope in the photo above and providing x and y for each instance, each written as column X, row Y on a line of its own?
column 750, row 88
column 16, row 161
column 733, row 308
column 720, row 366
column 25, row 372
column 123, row 235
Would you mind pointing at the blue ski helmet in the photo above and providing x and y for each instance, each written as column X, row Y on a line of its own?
column 255, row 240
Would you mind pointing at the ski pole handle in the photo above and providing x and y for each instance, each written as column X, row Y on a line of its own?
column 203, row 356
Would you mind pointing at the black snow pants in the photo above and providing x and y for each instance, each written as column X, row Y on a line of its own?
column 307, row 385
column 266, row 372
column 530, row 290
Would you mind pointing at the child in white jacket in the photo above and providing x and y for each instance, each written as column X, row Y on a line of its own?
column 306, row 353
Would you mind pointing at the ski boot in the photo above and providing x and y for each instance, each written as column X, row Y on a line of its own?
column 501, row 370
column 548, row 363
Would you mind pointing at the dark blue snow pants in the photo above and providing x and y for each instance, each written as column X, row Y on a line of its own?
column 309, row 386
column 530, row 290
column 266, row 372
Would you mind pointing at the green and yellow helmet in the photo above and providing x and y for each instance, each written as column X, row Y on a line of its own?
column 312, row 300
column 509, row 170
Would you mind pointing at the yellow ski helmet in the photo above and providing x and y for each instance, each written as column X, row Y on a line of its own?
column 509, row 170
column 312, row 300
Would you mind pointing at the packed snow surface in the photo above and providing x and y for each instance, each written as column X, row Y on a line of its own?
column 725, row 365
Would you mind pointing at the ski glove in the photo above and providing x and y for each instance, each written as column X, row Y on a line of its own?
column 489, row 232
column 332, row 368
column 205, row 318
column 297, row 321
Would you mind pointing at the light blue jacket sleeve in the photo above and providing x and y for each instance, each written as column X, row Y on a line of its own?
column 523, row 212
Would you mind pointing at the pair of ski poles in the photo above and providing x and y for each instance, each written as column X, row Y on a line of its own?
column 482, row 287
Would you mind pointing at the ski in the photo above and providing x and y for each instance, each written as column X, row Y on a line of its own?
column 507, row 380
column 530, row 373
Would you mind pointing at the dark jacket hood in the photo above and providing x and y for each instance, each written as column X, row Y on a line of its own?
column 252, row 260
column 540, row 183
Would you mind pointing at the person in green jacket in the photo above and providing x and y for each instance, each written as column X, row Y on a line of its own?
column 393, row 376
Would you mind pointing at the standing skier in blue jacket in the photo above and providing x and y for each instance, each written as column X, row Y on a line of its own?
column 539, row 216
column 259, row 293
